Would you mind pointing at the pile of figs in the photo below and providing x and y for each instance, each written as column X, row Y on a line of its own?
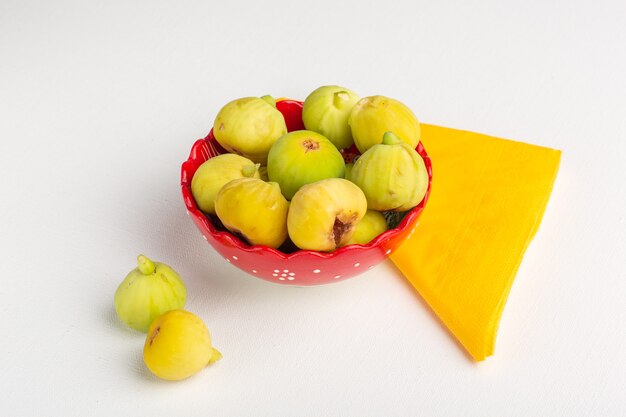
column 294, row 189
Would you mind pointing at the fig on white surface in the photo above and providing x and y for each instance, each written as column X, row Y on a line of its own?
column 148, row 291
column 178, row 345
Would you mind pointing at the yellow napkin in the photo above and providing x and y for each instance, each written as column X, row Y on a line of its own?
column 488, row 197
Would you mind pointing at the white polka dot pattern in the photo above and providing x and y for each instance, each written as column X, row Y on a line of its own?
column 284, row 275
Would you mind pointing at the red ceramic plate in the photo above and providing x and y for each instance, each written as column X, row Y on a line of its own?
column 299, row 267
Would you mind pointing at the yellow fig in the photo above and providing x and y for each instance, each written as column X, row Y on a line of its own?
column 322, row 215
column 372, row 116
column 326, row 111
column 216, row 172
column 249, row 127
column 370, row 226
column 178, row 345
column 255, row 210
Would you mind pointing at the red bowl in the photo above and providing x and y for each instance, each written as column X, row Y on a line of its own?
column 300, row 267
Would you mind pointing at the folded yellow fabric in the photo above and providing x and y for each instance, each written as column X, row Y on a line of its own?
column 488, row 197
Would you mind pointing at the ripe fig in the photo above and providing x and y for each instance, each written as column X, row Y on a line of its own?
column 322, row 215
column 249, row 127
column 372, row 116
column 254, row 209
column 178, row 345
column 303, row 157
column 214, row 173
column 326, row 111
column 370, row 226
column 392, row 175
column 148, row 291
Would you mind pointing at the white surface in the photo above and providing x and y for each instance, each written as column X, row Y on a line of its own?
column 99, row 105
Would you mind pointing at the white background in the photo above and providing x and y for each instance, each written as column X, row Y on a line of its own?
column 100, row 103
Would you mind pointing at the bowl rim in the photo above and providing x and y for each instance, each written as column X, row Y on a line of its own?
column 227, row 237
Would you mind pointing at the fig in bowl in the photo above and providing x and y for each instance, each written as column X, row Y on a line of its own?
column 371, row 117
column 249, row 126
column 288, row 264
column 302, row 157
column 392, row 175
column 324, row 214
column 326, row 110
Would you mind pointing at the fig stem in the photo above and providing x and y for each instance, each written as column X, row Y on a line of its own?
column 145, row 265
column 249, row 170
column 340, row 98
column 274, row 184
column 215, row 356
column 269, row 100
column 390, row 138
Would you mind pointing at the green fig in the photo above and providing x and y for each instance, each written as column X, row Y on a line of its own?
column 392, row 175
column 303, row 157
column 326, row 111
column 216, row 172
column 254, row 209
column 370, row 226
column 322, row 215
column 249, row 127
column 372, row 116
column 147, row 292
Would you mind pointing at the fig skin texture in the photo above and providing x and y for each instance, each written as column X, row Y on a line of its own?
column 326, row 111
column 216, row 172
column 370, row 226
column 372, row 116
column 303, row 157
column 178, row 345
column 148, row 291
column 392, row 175
column 249, row 127
column 322, row 215
column 254, row 209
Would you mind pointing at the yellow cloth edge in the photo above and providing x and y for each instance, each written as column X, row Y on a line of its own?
column 490, row 343
column 404, row 259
